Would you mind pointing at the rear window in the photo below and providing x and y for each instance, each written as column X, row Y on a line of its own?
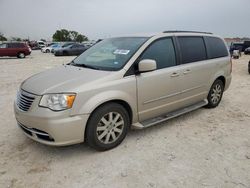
column 192, row 49
column 16, row 45
column 215, row 48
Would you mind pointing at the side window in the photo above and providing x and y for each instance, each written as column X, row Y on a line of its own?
column 3, row 45
column 13, row 45
column 215, row 48
column 19, row 45
column 162, row 51
column 192, row 49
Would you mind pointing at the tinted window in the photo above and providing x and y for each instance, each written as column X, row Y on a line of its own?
column 15, row 45
column 3, row 45
column 192, row 49
column 162, row 51
column 215, row 47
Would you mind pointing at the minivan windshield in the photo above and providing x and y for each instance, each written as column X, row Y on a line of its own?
column 110, row 54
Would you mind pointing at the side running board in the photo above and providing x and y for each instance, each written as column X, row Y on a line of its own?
column 165, row 117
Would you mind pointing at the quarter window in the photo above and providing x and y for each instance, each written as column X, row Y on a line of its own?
column 162, row 51
column 192, row 49
column 216, row 48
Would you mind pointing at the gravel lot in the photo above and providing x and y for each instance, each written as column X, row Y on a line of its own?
column 204, row 148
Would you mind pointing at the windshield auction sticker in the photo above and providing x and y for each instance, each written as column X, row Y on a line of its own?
column 121, row 52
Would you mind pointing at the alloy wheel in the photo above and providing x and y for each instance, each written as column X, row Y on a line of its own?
column 216, row 93
column 110, row 127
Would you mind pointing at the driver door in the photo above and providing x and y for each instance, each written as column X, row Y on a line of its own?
column 159, row 91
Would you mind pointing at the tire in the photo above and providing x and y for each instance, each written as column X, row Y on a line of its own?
column 215, row 94
column 47, row 51
column 21, row 55
column 110, row 133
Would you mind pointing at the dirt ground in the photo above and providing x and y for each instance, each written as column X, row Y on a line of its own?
column 204, row 148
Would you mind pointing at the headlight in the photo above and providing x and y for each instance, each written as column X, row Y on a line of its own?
column 57, row 102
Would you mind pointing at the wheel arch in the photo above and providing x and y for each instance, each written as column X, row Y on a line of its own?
column 219, row 75
column 123, row 103
column 222, row 78
column 19, row 52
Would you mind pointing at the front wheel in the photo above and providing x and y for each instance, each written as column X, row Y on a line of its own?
column 215, row 94
column 21, row 55
column 107, row 127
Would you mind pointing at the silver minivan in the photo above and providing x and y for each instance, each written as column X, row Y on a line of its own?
column 123, row 82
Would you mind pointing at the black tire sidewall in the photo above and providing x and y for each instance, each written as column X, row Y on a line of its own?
column 91, row 135
column 19, row 55
column 209, row 98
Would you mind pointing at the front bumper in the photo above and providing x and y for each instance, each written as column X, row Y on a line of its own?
column 49, row 127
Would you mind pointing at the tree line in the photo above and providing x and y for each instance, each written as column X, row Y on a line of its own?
column 62, row 35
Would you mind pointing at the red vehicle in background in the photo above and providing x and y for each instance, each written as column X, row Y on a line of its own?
column 14, row 49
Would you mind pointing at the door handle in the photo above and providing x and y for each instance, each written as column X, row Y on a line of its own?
column 175, row 74
column 187, row 71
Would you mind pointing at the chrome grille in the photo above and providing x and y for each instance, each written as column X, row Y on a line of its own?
column 24, row 100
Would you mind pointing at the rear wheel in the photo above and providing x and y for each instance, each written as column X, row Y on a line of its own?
column 21, row 55
column 215, row 94
column 47, row 51
column 107, row 127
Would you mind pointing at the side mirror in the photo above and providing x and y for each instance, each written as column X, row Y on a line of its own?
column 147, row 65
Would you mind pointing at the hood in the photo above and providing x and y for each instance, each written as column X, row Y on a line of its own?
column 64, row 78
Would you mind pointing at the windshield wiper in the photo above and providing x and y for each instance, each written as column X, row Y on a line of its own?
column 83, row 65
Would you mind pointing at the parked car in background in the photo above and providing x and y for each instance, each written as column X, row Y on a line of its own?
column 65, row 44
column 247, row 51
column 241, row 46
column 73, row 49
column 123, row 82
column 89, row 43
column 51, row 48
column 15, row 49
column 236, row 54
column 41, row 44
column 36, row 45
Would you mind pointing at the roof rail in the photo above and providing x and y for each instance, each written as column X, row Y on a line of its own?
column 176, row 31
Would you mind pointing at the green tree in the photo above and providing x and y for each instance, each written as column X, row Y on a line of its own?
column 2, row 37
column 61, row 35
column 16, row 39
column 73, row 35
column 81, row 38
column 65, row 35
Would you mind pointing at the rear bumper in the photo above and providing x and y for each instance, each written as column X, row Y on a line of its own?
column 228, row 82
column 28, row 53
column 51, row 128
